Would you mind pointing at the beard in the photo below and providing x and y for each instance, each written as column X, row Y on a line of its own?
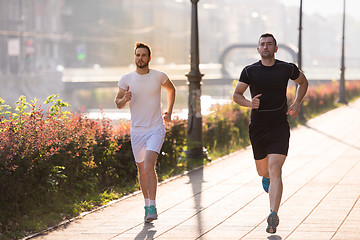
column 142, row 64
column 267, row 55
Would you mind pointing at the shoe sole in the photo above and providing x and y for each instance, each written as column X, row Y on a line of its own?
column 150, row 218
column 146, row 220
column 270, row 230
column 273, row 222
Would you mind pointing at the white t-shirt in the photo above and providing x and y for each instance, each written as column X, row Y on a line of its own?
column 145, row 104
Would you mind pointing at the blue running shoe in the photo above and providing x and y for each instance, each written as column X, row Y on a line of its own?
column 266, row 184
column 151, row 214
column 273, row 222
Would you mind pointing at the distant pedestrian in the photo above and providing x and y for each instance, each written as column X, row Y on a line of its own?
column 269, row 129
column 142, row 89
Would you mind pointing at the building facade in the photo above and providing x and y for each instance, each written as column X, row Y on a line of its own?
column 30, row 35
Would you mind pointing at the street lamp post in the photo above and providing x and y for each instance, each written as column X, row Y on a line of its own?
column 194, row 128
column 342, row 98
column 301, row 114
column 21, row 38
column 300, row 38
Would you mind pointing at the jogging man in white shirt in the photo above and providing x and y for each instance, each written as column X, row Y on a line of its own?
column 142, row 89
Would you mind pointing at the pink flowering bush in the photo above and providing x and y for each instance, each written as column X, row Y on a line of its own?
column 173, row 147
column 44, row 153
column 323, row 97
column 225, row 129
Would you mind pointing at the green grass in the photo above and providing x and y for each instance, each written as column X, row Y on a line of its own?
column 63, row 208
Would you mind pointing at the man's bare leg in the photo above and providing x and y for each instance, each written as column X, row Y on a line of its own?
column 271, row 166
column 276, row 161
column 151, row 176
column 142, row 179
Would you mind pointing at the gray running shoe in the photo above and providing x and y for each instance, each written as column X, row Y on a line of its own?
column 151, row 214
column 273, row 222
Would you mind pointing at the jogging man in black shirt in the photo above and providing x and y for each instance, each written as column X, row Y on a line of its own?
column 269, row 129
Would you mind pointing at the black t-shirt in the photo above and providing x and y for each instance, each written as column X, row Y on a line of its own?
column 271, row 82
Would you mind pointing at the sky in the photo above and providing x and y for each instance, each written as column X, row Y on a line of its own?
column 327, row 7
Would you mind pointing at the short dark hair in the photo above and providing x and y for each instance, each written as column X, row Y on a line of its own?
column 142, row 45
column 268, row 35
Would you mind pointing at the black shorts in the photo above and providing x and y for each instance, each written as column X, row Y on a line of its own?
column 266, row 139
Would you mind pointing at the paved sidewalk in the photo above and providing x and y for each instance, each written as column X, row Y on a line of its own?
column 225, row 200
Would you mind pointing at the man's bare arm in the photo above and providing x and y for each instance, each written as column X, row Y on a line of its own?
column 123, row 96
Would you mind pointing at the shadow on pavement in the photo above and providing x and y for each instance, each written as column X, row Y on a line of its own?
column 196, row 178
column 146, row 232
column 332, row 137
column 274, row 237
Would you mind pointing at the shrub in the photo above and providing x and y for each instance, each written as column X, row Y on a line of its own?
column 173, row 147
column 225, row 129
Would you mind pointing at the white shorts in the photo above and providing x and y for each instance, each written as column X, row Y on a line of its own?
column 146, row 139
